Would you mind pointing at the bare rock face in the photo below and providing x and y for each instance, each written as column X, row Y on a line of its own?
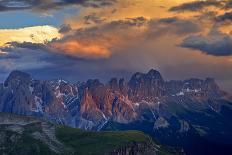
column 23, row 95
column 92, row 104
column 16, row 93
column 89, row 109
column 122, row 110
column 135, row 149
column 184, row 126
column 16, row 79
column 103, row 102
column 146, row 86
column 207, row 88
column 161, row 123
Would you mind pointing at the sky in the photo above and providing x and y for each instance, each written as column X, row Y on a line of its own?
column 82, row 39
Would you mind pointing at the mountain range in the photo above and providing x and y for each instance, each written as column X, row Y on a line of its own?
column 194, row 114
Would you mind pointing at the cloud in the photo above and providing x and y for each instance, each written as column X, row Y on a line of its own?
column 21, row 58
column 91, row 43
column 214, row 12
column 28, row 45
column 36, row 34
column 93, row 18
column 105, row 40
column 228, row 4
column 79, row 49
column 43, row 5
column 65, row 28
column 121, row 10
column 226, row 17
column 196, row 5
column 100, row 41
column 129, row 49
column 173, row 26
column 8, row 5
column 215, row 43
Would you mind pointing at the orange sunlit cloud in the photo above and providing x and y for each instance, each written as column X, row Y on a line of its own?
column 79, row 49
column 126, row 9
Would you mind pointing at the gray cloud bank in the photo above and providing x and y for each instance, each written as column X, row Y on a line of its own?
column 43, row 5
column 215, row 43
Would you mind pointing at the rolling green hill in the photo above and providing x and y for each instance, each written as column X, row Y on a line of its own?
column 20, row 135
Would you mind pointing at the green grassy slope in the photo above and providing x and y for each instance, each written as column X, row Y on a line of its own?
column 83, row 142
column 14, row 143
column 17, row 137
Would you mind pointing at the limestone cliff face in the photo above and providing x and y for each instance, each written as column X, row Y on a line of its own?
column 90, row 105
column 89, row 109
column 146, row 86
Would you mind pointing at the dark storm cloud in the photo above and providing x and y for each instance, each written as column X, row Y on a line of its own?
column 196, row 5
column 48, row 65
column 228, row 4
column 65, row 29
column 215, row 43
column 138, row 21
column 10, row 55
column 225, row 17
column 7, row 5
column 180, row 26
column 154, row 27
column 173, row 26
column 43, row 5
column 31, row 56
column 29, row 45
column 93, row 18
column 96, row 33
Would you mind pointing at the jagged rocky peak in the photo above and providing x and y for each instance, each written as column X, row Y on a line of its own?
column 154, row 74
column 146, row 86
column 114, row 85
column 211, row 83
column 193, row 82
column 213, row 88
column 17, row 77
column 123, row 86
column 88, row 106
column 151, row 75
column 137, row 76
column 122, row 83
column 1, row 87
column 195, row 87
column 93, row 83
column 95, row 87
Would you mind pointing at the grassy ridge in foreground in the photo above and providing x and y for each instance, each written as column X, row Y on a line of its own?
column 23, row 135
column 83, row 142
